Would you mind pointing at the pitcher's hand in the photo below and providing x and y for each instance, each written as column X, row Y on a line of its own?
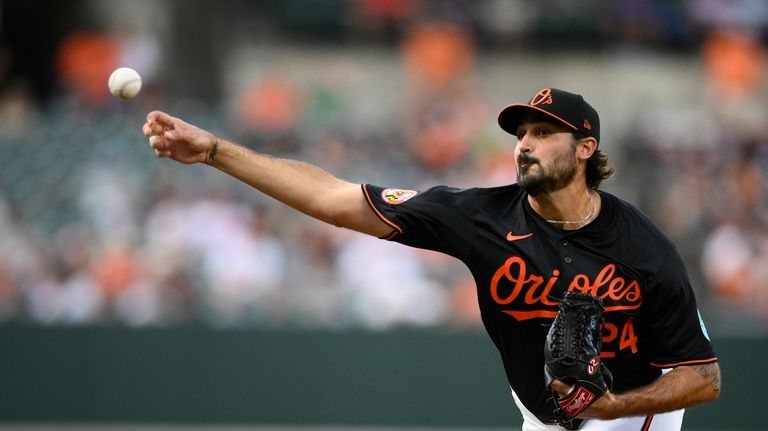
column 177, row 140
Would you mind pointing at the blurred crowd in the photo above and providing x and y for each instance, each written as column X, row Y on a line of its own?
column 95, row 230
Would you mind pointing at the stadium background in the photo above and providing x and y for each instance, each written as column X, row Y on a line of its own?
column 138, row 291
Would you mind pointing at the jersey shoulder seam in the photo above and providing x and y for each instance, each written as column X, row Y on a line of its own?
column 643, row 220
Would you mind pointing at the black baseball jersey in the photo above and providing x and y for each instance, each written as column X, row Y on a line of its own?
column 522, row 265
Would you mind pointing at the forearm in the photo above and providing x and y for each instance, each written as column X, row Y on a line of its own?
column 302, row 186
column 682, row 387
column 294, row 183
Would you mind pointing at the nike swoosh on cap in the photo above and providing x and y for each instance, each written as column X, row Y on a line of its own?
column 511, row 237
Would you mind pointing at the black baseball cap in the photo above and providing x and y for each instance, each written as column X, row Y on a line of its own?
column 566, row 108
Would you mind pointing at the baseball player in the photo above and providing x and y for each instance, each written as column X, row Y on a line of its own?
column 526, row 245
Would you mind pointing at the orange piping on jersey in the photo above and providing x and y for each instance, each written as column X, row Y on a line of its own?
column 392, row 235
column 398, row 229
column 647, row 423
column 697, row 361
column 607, row 354
column 525, row 315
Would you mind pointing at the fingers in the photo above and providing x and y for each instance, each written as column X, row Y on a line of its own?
column 158, row 122
column 156, row 127
column 161, row 118
column 150, row 129
column 159, row 144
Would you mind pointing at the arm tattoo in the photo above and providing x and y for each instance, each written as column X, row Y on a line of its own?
column 212, row 153
column 711, row 372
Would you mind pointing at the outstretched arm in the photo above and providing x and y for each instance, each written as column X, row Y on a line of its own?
column 682, row 387
column 304, row 187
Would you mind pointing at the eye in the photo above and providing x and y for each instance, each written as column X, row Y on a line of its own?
column 520, row 135
column 543, row 132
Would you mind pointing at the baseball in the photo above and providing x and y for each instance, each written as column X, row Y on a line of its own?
column 124, row 83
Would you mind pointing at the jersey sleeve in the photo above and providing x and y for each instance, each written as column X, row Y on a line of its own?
column 677, row 333
column 436, row 219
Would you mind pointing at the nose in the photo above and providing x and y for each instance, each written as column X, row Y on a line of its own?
column 525, row 144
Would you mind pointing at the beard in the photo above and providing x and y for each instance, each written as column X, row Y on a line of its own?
column 561, row 174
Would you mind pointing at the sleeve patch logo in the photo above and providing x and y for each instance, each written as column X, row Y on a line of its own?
column 397, row 196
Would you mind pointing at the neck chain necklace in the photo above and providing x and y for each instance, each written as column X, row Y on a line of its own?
column 585, row 219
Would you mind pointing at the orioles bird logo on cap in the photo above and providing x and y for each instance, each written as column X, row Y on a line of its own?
column 542, row 97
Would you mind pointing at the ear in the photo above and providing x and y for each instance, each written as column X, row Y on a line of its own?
column 586, row 147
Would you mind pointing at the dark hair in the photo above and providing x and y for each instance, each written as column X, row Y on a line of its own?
column 598, row 168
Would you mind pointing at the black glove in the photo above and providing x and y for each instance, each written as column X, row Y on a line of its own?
column 572, row 355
